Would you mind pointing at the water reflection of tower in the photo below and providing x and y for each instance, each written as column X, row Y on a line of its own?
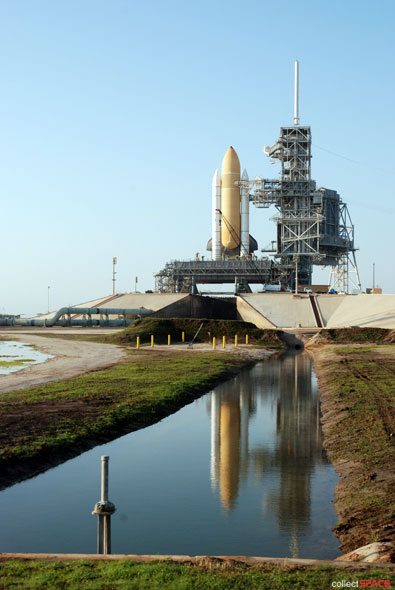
column 299, row 447
column 231, row 407
column 283, row 388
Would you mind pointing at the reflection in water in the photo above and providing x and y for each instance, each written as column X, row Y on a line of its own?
column 294, row 451
column 271, row 489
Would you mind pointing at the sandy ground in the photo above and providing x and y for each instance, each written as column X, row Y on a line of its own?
column 243, row 351
column 72, row 358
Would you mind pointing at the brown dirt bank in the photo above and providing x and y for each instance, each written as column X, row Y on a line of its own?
column 357, row 387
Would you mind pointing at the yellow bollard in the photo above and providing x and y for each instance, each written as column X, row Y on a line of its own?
column 236, row 340
column 138, row 342
column 214, row 342
column 152, row 341
column 223, row 341
column 183, row 336
column 246, row 338
column 168, row 339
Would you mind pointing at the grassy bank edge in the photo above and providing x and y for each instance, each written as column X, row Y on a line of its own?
column 203, row 572
column 51, row 454
column 336, row 408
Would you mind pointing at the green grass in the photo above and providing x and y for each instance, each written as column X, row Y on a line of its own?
column 356, row 335
column 73, row 414
column 129, row 575
column 6, row 364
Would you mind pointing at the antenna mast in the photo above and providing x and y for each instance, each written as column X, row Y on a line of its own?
column 296, row 95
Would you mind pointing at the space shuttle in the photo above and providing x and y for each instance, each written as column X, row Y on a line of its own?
column 230, row 212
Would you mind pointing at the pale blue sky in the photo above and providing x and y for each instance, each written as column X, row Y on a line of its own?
column 115, row 114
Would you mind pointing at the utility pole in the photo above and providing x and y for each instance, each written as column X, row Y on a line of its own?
column 374, row 269
column 48, row 297
column 114, row 262
column 136, row 280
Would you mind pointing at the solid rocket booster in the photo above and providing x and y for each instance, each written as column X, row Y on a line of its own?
column 230, row 200
column 216, row 217
column 244, row 218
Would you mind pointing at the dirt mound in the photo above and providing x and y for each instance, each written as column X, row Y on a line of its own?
column 355, row 336
column 162, row 327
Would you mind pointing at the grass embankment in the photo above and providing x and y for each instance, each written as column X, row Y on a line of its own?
column 356, row 335
column 210, row 328
column 47, row 424
column 129, row 575
column 162, row 327
column 358, row 392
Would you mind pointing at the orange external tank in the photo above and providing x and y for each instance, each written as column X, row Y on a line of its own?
column 230, row 201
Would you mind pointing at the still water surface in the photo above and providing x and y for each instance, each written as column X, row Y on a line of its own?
column 241, row 471
column 21, row 354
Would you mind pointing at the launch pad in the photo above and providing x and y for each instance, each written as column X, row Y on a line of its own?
column 313, row 225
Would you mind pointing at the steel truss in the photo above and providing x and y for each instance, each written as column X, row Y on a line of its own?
column 182, row 276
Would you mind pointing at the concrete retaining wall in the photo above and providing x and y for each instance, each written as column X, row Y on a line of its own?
column 199, row 307
column 283, row 310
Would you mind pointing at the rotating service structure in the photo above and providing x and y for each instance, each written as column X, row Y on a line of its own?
column 313, row 225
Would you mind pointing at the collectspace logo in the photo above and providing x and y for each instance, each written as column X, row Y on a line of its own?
column 362, row 584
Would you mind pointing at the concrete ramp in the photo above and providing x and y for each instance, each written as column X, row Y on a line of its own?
column 281, row 310
column 328, row 305
column 285, row 310
column 375, row 311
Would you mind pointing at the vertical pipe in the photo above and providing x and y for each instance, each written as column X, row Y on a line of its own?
column 107, row 535
column 183, row 336
column 244, row 218
column 114, row 262
column 236, row 340
column 214, row 342
column 296, row 274
column 152, row 341
column 138, row 342
column 104, row 508
column 104, row 478
column 296, row 94
column 216, row 217
column 168, row 339
column 100, row 528
column 246, row 338
column 223, row 341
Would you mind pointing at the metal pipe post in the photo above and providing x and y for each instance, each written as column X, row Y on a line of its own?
column 104, row 478
column 104, row 508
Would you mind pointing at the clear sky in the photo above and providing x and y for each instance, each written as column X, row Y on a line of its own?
column 115, row 115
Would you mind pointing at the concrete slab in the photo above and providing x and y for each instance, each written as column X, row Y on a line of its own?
column 283, row 310
column 248, row 313
column 328, row 304
column 376, row 311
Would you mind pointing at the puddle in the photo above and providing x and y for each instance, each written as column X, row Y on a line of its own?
column 15, row 356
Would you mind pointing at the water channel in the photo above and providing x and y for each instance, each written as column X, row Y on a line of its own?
column 240, row 471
